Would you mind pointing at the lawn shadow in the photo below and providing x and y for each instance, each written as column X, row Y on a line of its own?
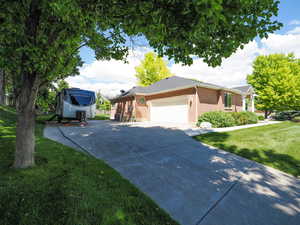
column 268, row 157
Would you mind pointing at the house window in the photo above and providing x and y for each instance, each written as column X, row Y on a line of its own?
column 227, row 100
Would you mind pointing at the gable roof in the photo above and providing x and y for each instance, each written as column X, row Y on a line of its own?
column 171, row 84
column 244, row 89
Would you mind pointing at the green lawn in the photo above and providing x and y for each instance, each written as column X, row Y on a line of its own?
column 101, row 117
column 67, row 187
column 275, row 145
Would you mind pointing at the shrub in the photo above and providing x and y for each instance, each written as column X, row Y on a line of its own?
column 296, row 119
column 243, row 118
column 217, row 119
column 260, row 117
column 286, row 115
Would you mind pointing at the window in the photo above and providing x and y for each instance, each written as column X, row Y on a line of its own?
column 228, row 100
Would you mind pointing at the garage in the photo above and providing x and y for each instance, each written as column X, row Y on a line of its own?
column 172, row 110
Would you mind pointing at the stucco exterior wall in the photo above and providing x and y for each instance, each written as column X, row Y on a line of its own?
column 209, row 100
column 189, row 91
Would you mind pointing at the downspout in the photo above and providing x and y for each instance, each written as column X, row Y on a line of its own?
column 196, row 104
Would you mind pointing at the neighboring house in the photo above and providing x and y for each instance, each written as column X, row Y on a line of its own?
column 248, row 97
column 175, row 99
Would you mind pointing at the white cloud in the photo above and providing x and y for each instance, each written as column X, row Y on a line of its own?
column 277, row 43
column 108, row 76
column 111, row 76
column 294, row 22
column 234, row 70
column 296, row 30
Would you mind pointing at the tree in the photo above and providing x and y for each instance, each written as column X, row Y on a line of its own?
column 2, row 87
column 40, row 40
column 152, row 69
column 276, row 81
column 102, row 102
column 46, row 100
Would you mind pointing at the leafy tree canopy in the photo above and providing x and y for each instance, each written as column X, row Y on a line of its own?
column 102, row 102
column 276, row 81
column 46, row 100
column 40, row 39
column 152, row 69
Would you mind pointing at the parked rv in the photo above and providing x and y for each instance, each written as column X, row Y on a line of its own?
column 75, row 103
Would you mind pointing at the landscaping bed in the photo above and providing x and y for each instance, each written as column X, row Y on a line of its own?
column 274, row 145
column 67, row 187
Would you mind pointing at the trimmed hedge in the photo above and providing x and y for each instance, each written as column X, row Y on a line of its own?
column 227, row 119
column 217, row 119
column 243, row 118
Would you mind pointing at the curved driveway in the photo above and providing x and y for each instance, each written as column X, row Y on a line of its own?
column 195, row 184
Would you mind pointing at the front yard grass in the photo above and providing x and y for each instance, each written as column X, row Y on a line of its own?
column 276, row 145
column 101, row 117
column 67, row 187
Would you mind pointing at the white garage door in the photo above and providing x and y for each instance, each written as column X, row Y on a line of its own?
column 173, row 110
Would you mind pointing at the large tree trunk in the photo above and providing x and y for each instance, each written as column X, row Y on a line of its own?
column 2, row 87
column 25, row 135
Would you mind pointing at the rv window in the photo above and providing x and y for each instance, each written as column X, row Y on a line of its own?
column 81, row 100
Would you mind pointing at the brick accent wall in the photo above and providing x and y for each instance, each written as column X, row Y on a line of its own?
column 123, row 109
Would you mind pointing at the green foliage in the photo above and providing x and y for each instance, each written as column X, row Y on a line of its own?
column 151, row 70
column 260, row 117
column 46, row 100
column 40, row 39
column 102, row 103
column 217, row 119
column 286, row 115
column 101, row 117
column 243, row 118
column 276, row 81
column 296, row 119
column 67, row 187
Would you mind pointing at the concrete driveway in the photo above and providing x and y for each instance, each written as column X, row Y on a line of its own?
column 195, row 184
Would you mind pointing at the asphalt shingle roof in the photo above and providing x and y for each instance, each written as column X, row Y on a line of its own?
column 170, row 83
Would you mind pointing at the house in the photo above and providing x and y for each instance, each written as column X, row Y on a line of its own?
column 248, row 97
column 175, row 99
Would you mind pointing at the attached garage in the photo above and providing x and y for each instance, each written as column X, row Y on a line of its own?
column 172, row 110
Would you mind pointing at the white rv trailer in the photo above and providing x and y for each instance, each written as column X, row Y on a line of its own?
column 72, row 100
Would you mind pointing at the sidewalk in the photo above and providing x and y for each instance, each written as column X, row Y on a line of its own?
column 198, row 131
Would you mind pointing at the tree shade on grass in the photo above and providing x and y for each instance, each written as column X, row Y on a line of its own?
column 273, row 145
column 67, row 187
column 101, row 117
column 41, row 42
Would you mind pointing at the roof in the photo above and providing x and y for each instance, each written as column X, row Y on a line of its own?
column 244, row 89
column 172, row 83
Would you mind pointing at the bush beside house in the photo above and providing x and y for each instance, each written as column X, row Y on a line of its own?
column 217, row 119
column 243, row 118
column 226, row 119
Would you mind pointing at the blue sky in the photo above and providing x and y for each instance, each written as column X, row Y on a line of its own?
column 111, row 76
